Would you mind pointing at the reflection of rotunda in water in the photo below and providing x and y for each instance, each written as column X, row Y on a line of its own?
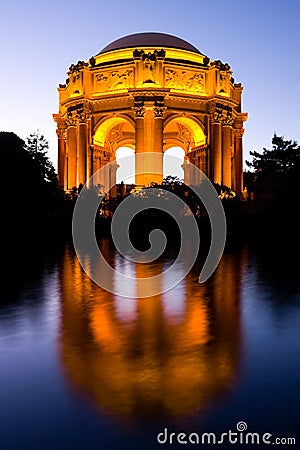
column 168, row 355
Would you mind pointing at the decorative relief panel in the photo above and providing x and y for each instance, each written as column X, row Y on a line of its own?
column 74, row 80
column 223, row 83
column 185, row 81
column 148, row 65
column 114, row 80
column 115, row 134
column 184, row 134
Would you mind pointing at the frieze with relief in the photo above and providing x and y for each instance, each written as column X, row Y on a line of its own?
column 185, row 81
column 114, row 80
column 223, row 82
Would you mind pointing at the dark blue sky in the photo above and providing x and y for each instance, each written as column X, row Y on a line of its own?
column 259, row 39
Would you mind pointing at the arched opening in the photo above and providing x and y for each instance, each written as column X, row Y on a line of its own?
column 125, row 160
column 112, row 129
column 172, row 166
column 188, row 132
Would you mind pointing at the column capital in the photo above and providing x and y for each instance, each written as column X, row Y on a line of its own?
column 186, row 163
column 159, row 112
column 139, row 111
column 159, row 107
column 139, row 107
column 58, row 118
column 220, row 112
column 238, row 132
column 61, row 133
column 71, row 119
column 84, row 113
column 113, row 165
column 61, row 126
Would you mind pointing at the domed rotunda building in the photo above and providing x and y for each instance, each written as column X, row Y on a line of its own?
column 150, row 92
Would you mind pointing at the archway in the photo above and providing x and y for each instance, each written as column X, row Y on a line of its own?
column 112, row 130
column 185, row 131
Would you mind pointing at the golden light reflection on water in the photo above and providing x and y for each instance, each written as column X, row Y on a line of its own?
column 166, row 355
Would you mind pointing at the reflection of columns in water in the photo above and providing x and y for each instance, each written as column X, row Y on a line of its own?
column 174, row 306
column 147, row 271
column 226, row 291
column 127, row 268
column 168, row 354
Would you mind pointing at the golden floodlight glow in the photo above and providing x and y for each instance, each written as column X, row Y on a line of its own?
column 172, row 53
column 104, row 128
column 142, row 358
column 196, row 131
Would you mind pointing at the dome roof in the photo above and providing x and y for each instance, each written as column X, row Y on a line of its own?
column 150, row 40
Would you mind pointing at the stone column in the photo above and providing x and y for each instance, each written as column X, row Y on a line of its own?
column 238, row 159
column 61, row 160
column 148, row 140
column 226, row 155
column 233, row 175
column 62, row 154
column 71, row 139
column 186, row 166
column 217, row 152
column 82, row 153
column 113, row 167
column 139, row 144
column 158, row 112
column 98, row 161
column 89, row 164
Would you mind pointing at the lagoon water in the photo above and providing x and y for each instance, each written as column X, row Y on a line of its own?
column 83, row 369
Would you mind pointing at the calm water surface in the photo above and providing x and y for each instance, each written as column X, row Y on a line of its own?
column 82, row 369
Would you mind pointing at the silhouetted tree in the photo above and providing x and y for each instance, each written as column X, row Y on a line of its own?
column 283, row 158
column 51, row 193
column 276, row 176
column 38, row 147
column 30, row 190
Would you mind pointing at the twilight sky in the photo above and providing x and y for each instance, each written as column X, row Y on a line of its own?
column 260, row 39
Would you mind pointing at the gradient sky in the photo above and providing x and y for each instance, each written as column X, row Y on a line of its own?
column 259, row 39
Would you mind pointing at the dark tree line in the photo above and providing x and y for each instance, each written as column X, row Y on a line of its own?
column 32, row 196
column 31, row 193
column 274, row 177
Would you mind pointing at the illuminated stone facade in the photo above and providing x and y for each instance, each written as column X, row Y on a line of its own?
column 150, row 92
